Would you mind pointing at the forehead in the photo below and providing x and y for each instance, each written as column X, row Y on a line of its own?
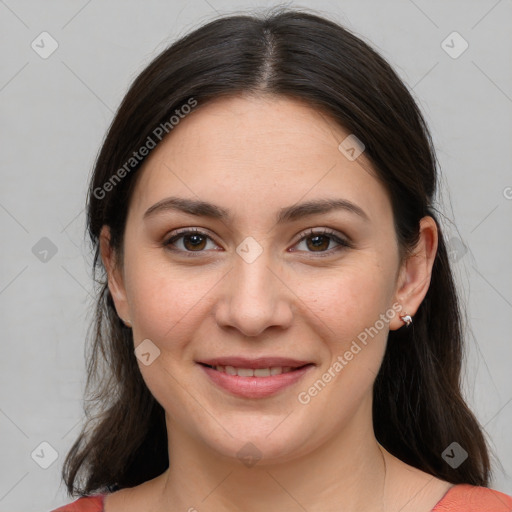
column 265, row 128
column 256, row 153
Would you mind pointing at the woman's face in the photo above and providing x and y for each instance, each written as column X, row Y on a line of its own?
column 261, row 280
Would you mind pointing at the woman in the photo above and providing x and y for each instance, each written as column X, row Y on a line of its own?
column 277, row 314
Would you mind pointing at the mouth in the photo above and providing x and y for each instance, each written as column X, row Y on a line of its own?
column 256, row 378
column 255, row 372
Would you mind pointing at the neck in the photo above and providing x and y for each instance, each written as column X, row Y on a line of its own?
column 337, row 475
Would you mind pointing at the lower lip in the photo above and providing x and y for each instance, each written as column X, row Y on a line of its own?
column 255, row 387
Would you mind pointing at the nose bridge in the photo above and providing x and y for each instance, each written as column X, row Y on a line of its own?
column 255, row 298
column 252, row 277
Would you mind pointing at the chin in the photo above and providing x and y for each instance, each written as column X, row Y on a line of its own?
column 261, row 442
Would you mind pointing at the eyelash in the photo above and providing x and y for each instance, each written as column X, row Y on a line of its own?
column 343, row 244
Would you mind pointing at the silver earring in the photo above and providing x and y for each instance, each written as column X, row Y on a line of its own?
column 406, row 319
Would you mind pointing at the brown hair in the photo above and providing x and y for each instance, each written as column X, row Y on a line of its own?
column 418, row 406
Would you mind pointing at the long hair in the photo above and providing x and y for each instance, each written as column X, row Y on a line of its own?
column 418, row 407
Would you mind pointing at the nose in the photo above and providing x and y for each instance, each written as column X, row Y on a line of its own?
column 255, row 296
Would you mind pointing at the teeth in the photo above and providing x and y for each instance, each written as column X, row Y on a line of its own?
column 229, row 370
column 262, row 372
column 257, row 372
column 245, row 372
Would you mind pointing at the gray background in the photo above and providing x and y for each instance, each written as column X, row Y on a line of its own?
column 55, row 112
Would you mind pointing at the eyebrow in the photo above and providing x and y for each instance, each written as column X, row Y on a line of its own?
column 287, row 214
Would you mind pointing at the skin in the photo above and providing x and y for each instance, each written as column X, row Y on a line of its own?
column 255, row 155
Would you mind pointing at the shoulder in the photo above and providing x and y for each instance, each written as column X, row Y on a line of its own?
column 474, row 499
column 85, row 504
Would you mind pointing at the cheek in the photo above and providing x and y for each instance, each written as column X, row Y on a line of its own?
column 355, row 340
column 166, row 300
column 350, row 300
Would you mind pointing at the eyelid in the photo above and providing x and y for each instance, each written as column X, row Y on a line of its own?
column 179, row 233
column 322, row 231
column 342, row 240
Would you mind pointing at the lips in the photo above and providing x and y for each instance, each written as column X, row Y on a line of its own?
column 254, row 378
column 260, row 362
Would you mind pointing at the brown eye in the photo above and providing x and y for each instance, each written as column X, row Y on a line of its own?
column 194, row 242
column 320, row 240
column 188, row 241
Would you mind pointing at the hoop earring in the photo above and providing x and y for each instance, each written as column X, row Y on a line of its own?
column 406, row 319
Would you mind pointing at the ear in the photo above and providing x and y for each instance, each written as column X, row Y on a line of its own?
column 415, row 274
column 114, row 275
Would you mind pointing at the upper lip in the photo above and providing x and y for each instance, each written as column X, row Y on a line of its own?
column 259, row 362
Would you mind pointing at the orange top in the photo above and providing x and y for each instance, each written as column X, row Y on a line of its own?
column 459, row 498
column 474, row 499
column 86, row 504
